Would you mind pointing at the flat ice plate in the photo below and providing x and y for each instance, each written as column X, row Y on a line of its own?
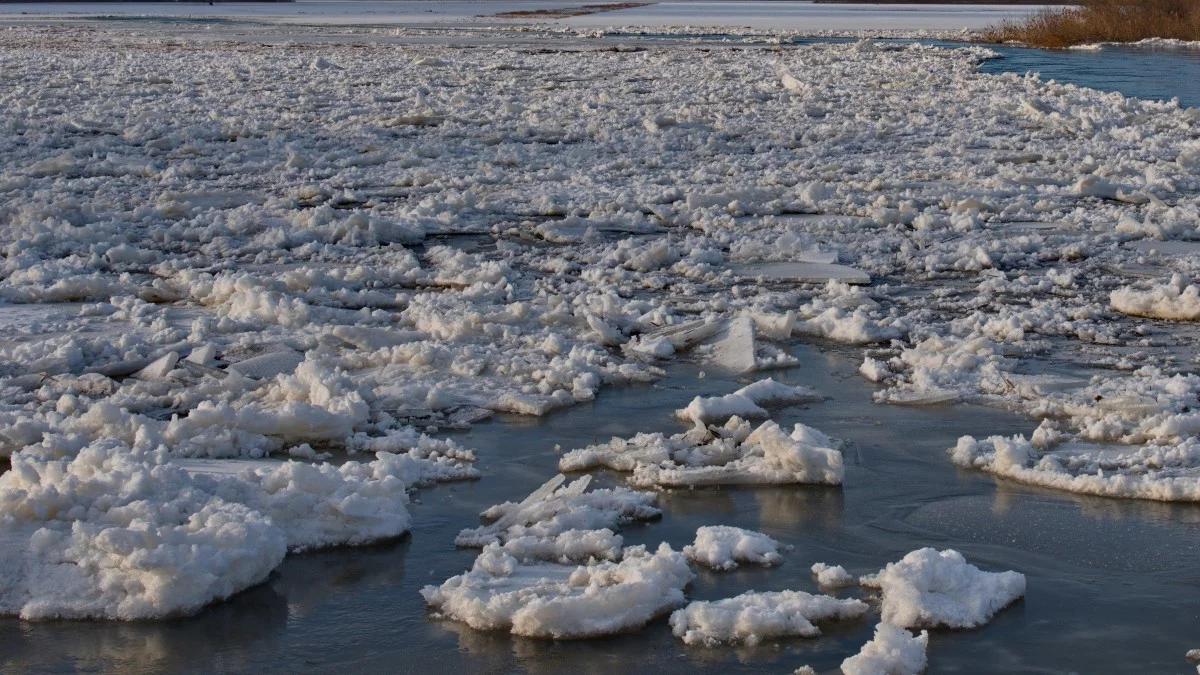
column 804, row 272
column 1167, row 248
column 223, row 467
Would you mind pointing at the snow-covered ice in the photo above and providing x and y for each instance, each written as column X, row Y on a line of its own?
column 723, row 547
column 892, row 651
column 563, row 601
column 753, row 617
column 732, row 454
column 934, row 588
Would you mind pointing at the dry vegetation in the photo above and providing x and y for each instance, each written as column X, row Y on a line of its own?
column 567, row 12
column 1104, row 21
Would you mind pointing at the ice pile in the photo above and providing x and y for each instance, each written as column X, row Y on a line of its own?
column 732, row 454
column 561, row 601
column 940, row 588
column 722, row 547
column 753, row 617
column 110, row 532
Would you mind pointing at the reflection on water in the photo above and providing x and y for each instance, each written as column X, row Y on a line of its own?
column 1114, row 579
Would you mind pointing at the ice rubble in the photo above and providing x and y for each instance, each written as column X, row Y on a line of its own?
column 892, row 651
column 449, row 242
column 111, row 532
column 562, row 601
column 722, row 547
column 732, row 454
column 940, row 588
column 753, row 617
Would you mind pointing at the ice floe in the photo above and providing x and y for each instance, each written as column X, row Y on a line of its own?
column 753, row 617
column 723, row 547
column 563, row 601
column 892, row 651
column 934, row 588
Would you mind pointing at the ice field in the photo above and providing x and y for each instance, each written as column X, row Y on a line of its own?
column 556, row 349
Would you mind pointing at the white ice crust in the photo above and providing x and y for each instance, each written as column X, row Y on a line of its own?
column 893, row 651
column 753, row 617
column 732, row 454
column 560, row 601
column 723, row 547
column 934, row 588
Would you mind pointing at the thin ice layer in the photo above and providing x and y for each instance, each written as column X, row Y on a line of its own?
column 560, row 601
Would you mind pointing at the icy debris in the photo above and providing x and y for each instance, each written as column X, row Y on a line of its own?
column 722, row 547
column 560, row 601
column 558, row 507
column 832, row 576
column 1094, row 186
column 753, row 617
column 939, row 588
column 727, row 455
column 746, row 402
column 1176, row 300
column 1156, row 472
column 121, row 534
column 893, row 651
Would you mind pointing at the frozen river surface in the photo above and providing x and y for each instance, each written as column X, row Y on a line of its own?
column 227, row 244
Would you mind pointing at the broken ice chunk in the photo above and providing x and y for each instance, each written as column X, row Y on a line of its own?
column 266, row 366
column 555, row 508
column 753, row 617
column 940, row 588
column 560, row 601
column 722, row 547
column 832, row 576
column 159, row 368
column 893, row 651
column 746, row 402
column 1158, row 472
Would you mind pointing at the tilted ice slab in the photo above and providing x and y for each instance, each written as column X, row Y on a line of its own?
column 563, row 601
column 722, row 547
column 1176, row 300
column 1166, row 473
column 753, row 617
column 120, row 534
column 563, row 521
column 892, row 651
column 727, row 455
column 746, row 402
column 939, row 588
column 803, row 272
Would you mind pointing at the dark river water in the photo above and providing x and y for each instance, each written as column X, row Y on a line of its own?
column 1114, row 586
